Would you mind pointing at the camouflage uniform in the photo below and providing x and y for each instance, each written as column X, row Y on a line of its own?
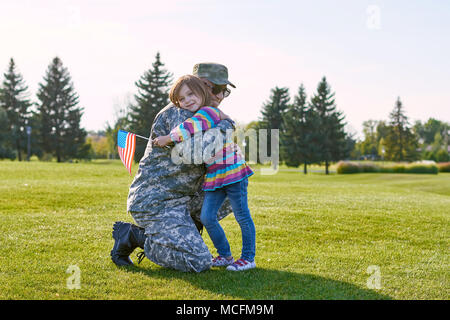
column 165, row 197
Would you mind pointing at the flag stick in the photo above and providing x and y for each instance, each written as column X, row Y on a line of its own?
column 167, row 147
column 142, row 137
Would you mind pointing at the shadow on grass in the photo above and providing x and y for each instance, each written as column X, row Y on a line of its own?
column 266, row 284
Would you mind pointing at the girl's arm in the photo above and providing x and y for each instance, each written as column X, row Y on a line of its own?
column 204, row 119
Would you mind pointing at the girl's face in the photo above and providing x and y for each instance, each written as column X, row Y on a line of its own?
column 188, row 99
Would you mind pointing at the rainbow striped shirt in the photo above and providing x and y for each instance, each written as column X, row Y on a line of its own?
column 225, row 167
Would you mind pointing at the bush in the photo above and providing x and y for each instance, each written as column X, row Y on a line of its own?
column 421, row 168
column 6, row 153
column 355, row 167
column 398, row 168
column 348, row 167
column 444, row 166
column 429, row 167
column 389, row 169
column 46, row 156
column 369, row 167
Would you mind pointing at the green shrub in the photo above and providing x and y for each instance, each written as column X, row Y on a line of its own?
column 348, row 167
column 46, row 156
column 444, row 166
column 387, row 169
column 369, row 167
column 421, row 168
column 417, row 167
column 355, row 167
column 398, row 168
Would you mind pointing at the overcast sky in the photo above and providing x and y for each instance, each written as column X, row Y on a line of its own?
column 370, row 51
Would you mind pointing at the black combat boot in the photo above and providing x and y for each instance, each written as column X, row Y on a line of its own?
column 127, row 237
column 199, row 226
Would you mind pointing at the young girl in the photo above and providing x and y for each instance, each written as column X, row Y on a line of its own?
column 226, row 173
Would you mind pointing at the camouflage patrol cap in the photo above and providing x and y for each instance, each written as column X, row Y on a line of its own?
column 214, row 72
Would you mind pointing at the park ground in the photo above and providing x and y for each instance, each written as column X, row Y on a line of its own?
column 359, row 236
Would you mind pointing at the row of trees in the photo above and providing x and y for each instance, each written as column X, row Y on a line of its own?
column 398, row 140
column 54, row 118
column 311, row 129
column 310, row 132
column 56, row 115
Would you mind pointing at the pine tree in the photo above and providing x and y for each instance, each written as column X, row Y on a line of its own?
column 153, row 95
column 14, row 100
column 400, row 142
column 5, row 137
column 274, row 109
column 59, row 114
column 332, row 139
column 298, row 133
column 294, row 130
column 273, row 113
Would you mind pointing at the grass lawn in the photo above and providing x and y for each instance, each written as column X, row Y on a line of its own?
column 318, row 237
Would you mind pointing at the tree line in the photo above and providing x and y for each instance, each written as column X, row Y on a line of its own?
column 311, row 129
column 398, row 140
column 47, row 128
column 312, row 132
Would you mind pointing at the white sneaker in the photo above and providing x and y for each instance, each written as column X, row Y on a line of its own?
column 220, row 261
column 241, row 264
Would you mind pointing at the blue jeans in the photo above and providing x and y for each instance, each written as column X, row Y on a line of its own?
column 237, row 194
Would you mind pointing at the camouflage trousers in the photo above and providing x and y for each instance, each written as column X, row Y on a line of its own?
column 173, row 240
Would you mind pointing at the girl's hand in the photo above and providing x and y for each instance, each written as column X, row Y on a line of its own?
column 162, row 141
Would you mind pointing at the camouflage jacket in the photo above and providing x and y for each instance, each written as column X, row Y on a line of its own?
column 162, row 184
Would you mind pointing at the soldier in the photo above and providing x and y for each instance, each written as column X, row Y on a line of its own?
column 165, row 197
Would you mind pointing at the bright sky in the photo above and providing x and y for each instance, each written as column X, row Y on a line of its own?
column 370, row 51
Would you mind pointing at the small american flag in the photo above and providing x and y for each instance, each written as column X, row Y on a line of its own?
column 126, row 144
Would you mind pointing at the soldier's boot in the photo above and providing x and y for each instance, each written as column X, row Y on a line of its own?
column 127, row 237
column 199, row 226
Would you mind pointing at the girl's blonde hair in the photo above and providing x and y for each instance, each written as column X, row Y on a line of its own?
column 195, row 85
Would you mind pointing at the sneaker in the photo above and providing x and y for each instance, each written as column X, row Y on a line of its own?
column 220, row 261
column 241, row 264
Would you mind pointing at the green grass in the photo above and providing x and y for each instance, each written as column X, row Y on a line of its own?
column 316, row 237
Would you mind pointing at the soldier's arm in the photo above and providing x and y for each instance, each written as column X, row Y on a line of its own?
column 159, row 127
column 226, row 124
